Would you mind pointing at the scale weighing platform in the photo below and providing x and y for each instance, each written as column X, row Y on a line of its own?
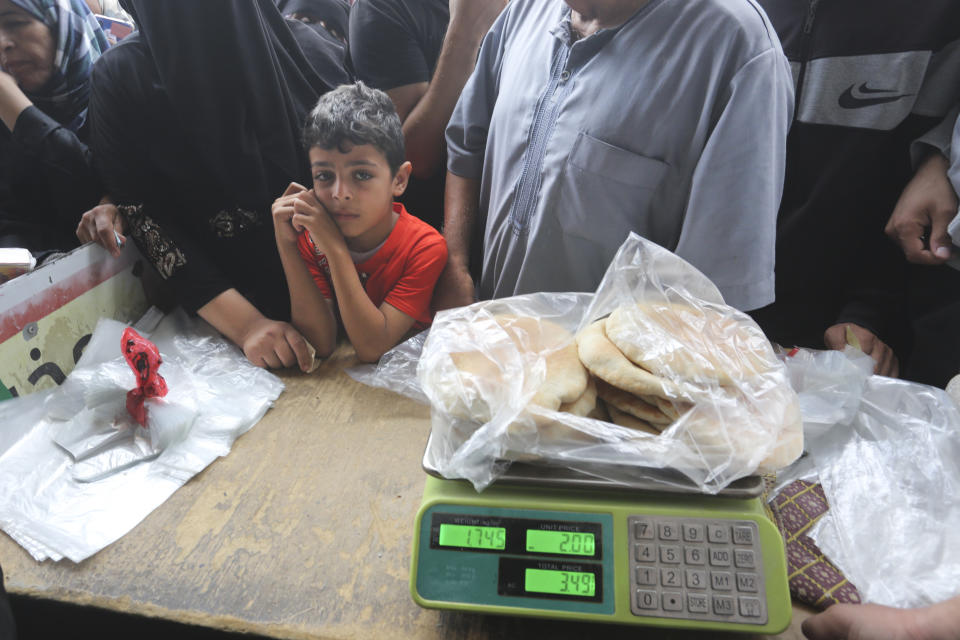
column 554, row 543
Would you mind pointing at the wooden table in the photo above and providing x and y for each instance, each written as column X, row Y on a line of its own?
column 303, row 531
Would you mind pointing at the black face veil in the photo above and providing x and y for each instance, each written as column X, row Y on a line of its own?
column 239, row 85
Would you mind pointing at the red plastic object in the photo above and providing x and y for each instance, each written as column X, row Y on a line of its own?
column 144, row 358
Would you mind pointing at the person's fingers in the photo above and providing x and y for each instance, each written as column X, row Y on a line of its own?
column 271, row 360
column 284, row 351
column 300, row 349
column 293, row 188
column 835, row 337
column 894, row 365
column 297, row 220
column 107, row 237
column 890, row 366
column 832, row 624
column 83, row 234
column 941, row 244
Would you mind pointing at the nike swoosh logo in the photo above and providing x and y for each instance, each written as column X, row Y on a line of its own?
column 849, row 101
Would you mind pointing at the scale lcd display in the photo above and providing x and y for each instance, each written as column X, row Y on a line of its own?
column 568, row 583
column 491, row 533
column 473, row 537
column 577, row 543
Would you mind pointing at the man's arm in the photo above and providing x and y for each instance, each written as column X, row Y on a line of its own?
column 425, row 108
column 455, row 287
column 737, row 184
column 876, row 622
column 925, row 208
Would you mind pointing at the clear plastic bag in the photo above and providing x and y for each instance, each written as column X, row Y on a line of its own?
column 492, row 372
column 887, row 453
column 892, row 477
column 80, row 472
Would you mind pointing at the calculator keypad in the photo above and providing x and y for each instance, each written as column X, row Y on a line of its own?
column 696, row 569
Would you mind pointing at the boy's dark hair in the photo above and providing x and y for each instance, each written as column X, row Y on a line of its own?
column 355, row 114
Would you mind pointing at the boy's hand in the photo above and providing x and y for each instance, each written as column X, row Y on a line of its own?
column 283, row 212
column 310, row 214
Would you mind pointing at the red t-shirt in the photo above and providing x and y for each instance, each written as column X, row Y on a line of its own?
column 401, row 273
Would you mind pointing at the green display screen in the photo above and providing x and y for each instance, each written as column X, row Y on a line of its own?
column 567, row 583
column 473, row 537
column 576, row 543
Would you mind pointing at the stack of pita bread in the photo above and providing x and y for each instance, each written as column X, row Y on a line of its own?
column 643, row 367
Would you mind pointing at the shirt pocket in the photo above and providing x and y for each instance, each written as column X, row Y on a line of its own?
column 606, row 191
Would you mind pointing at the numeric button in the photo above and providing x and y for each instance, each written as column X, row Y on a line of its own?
column 696, row 579
column 645, row 553
column 693, row 533
column 670, row 577
column 670, row 554
column 668, row 531
column 647, row 599
column 646, row 576
column 643, row 530
column 694, row 555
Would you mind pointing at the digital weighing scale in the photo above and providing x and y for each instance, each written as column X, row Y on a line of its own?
column 555, row 543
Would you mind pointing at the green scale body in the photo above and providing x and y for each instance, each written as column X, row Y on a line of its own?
column 664, row 560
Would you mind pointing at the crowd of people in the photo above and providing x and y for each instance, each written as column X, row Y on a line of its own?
column 798, row 153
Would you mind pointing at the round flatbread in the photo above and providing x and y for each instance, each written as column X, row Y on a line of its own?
column 670, row 408
column 703, row 344
column 477, row 379
column 629, row 403
column 585, row 404
column 626, row 420
column 604, row 360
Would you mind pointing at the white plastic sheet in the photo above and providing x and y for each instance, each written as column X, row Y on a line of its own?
column 887, row 453
column 78, row 473
column 743, row 414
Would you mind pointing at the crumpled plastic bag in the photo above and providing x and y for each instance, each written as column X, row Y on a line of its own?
column 887, row 453
column 81, row 472
column 483, row 369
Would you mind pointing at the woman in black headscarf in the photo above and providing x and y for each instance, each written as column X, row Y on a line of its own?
column 196, row 123
column 329, row 20
column 47, row 49
column 332, row 16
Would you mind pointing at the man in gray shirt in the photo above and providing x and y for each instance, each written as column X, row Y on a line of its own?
column 587, row 119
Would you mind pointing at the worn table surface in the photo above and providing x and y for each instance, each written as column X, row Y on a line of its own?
column 303, row 531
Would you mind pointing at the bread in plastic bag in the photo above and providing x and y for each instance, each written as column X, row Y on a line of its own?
column 724, row 412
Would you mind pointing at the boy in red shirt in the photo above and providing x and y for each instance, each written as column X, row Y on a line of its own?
column 347, row 248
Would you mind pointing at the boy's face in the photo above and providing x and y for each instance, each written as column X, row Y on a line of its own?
column 358, row 189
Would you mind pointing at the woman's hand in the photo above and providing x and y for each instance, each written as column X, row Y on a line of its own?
column 282, row 211
column 273, row 345
column 104, row 225
column 310, row 214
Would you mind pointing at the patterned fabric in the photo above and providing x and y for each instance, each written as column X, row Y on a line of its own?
column 156, row 245
column 227, row 224
column 79, row 41
column 814, row 580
